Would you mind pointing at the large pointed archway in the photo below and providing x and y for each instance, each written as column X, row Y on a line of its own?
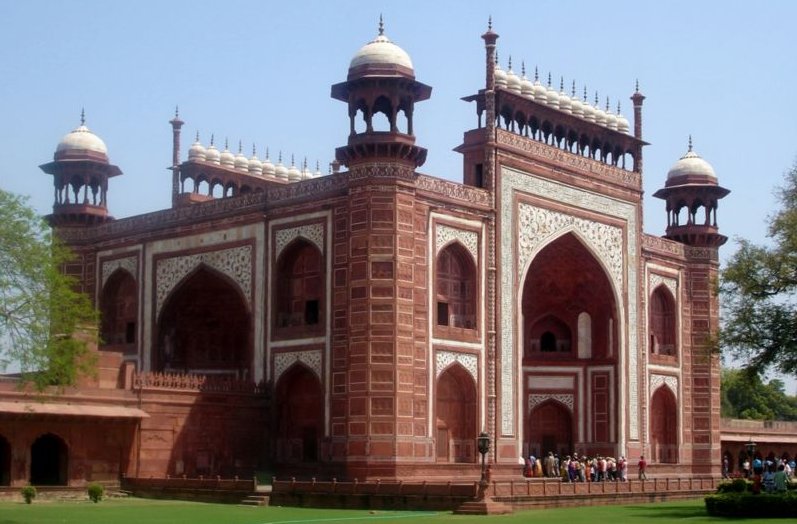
column 49, row 461
column 549, row 427
column 570, row 336
column 456, row 415
column 300, row 415
column 664, row 426
column 119, row 313
column 205, row 328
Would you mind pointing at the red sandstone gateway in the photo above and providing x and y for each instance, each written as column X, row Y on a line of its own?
column 370, row 323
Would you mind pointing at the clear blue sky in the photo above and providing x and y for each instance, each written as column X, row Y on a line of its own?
column 260, row 72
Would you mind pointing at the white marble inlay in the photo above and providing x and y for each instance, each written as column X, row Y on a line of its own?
column 443, row 359
column 310, row 358
column 314, row 233
column 535, row 399
column 129, row 264
column 445, row 234
column 668, row 380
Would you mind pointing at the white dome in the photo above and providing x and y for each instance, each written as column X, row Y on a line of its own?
column 211, row 153
column 600, row 115
column 691, row 164
column 294, row 175
column 241, row 162
column 576, row 106
column 268, row 167
column 280, row 171
column 540, row 94
column 197, row 150
column 255, row 165
column 622, row 124
column 81, row 139
column 589, row 111
column 611, row 121
column 526, row 87
column 512, row 80
column 551, row 96
column 500, row 76
column 381, row 51
column 565, row 103
column 226, row 157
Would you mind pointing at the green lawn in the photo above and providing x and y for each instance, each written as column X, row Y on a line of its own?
column 139, row 511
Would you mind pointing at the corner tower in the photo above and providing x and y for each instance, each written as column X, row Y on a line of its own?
column 381, row 79
column 80, row 170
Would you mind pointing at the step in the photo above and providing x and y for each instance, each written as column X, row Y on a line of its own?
column 255, row 500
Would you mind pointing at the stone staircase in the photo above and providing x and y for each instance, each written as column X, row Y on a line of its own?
column 261, row 497
column 487, row 506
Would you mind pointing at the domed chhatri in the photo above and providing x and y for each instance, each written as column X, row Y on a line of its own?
column 81, row 142
column 381, row 57
column 693, row 166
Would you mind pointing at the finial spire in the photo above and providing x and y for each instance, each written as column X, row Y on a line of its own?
column 690, row 142
column 212, row 137
column 510, row 62
column 254, row 150
column 618, row 107
column 304, row 165
column 490, row 23
column 176, row 112
column 381, row 25
column 240, row 147
column 523, row 68
column 637, row 86
column 549, row 79
column 82, row 116
column 585, row 93
column 536, row 74
column 562, row 84
column 597, row 101
column 607, row 104
column 197, row 136
column 226, row 144
column 573, row 90
column 497, row 61
column 267, row 153
column 293, row 164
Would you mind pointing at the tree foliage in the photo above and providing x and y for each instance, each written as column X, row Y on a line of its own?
column 759, row 288
column 42, row 316
column 745, row 395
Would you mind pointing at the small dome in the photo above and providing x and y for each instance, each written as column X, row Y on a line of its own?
column 565, row 103
column 540, row 94
column 600, row 114
column 691, row 164
column 255, row 165
column 576, row 105
column 81, row 140
column 226, row 158
column 211, row 153
column 500, row 75
column 622, row 124
column 512, row 80
column 268, row 167
column 381, row 52
column 197, row 150
column 526, row 87
column 294, row 175
column 551, row 96
column 241, row 162
column 280, row 171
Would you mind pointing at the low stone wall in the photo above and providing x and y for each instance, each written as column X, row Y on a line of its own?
column 439, row 496
column 520, row 494
column 197, row 489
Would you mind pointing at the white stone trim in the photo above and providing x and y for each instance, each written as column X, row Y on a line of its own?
column 655, row 280
column 443, row 359
column 469, row 239
column 129, row 264
column 313, row 233
column 657, row 380
column 310, row 358
column 234, row 262
column 535, row 399
column 510, row 282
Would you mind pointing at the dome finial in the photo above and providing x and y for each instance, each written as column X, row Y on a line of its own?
column 585, row 93
column 549, row 79
column 226, row 143
column 176, row 112
column 618, row 107
column 536, row 74
column 381, row 25
column 293, row 164
column 82, row 116
column 690, row 142
column 490, row 23
column 212, row 137
column 254, row 150
column 267, row 157
column 637, row 86
column 597, row 101
column 561, row 83
column 510, row 62
column 573, row 91
column 607, row 104
column 497, row 61
column 523, row 68
column 280, row 157
column 240, row 147
column 197, row 135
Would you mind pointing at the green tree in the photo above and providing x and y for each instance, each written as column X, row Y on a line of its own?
column 745, row 395
column 41, row 313
column 758, row 289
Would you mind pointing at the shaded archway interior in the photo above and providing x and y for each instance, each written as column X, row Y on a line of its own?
column 5, row 462
column 455, row 285
column 299, row 289
column 300, row 415
column 569, row 327
column 205, row 328
column 664, row 426
column 457, row 416
column 549, row 427
column 119, row 311
column 49, row 461
column 662, row 325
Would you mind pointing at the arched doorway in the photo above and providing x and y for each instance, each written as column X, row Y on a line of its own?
column 5, row 462
column 299, row 290
column 119, row 313
column 300, row 415
column 49, row 461
column 570, row 328
column 205, row 328
column 457, row 416
column 664, row 426
column 549, row 427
